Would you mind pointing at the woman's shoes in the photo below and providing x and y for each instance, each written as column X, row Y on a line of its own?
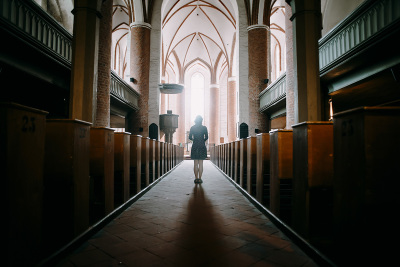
column 198, row 181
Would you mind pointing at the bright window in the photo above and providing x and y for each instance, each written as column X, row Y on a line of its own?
column 197, row 96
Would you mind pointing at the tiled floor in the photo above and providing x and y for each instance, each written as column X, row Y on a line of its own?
column 178, row 223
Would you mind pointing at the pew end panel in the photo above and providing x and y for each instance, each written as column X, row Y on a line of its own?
column 22, row 155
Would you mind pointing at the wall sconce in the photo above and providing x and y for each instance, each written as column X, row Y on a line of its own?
column 330, row 110
column 266, row 81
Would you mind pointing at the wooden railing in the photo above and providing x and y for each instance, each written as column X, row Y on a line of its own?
column 273, row 94
column 123, row 91
column 30, row 22
column 34, row 26
column 356, row 31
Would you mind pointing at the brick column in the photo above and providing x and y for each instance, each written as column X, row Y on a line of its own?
column 140, row 71
column 84, row 60
column 104, row 66
column 213, row 131
column 306, row 20
column 259, row 70
column 231, row 107
column 290, row 120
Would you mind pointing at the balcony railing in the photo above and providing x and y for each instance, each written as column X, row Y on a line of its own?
column 359, row 28
column 273, row 94
column 123, row 91
column 30, row 22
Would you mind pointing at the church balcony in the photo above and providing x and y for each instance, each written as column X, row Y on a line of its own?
column 360, row 46
column 34, row 36
column 123, row 92
column 273, row 98
column 27, row 21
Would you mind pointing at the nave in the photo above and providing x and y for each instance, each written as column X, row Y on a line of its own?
column 179, row 223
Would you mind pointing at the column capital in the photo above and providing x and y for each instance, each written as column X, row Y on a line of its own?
column 258, row 26
column 232, row 79
column 140, row 24
column 214, row 85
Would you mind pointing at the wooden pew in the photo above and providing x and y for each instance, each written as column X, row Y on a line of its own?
column 145, row 175
column 122, row 146
column 251, row 165
column 220, row 156
column 366, row 180
column 162, row 158
column 22, row 148
column 101, row 172
column 135, row 165
column 173, row 155
column 212, row 154
column 263, row 169
column 157, row 159
column 243, row 164
column 237, row 161
column 167, row 157
column 152, row 158
column 229, row 159
column 232, row 165
column 217, row 155
column 313, row 180
column 66, row 180
column 226, row 158
column 223, row 153
column 281, row 160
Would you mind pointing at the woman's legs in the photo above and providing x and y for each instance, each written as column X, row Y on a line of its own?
column 196, row 168
column 200, row 168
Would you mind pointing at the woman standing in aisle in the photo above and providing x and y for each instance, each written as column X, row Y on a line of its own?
column 199, row 135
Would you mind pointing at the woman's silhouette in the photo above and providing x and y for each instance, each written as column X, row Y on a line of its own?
column 198, row 134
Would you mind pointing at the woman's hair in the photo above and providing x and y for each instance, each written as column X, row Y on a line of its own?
column 198, row 119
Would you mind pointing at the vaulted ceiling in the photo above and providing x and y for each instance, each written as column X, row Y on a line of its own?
column 194, row 32
column 197, row 31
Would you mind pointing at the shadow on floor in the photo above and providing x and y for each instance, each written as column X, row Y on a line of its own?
column 200, row 234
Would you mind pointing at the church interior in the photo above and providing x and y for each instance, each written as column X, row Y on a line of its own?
column 301, row 99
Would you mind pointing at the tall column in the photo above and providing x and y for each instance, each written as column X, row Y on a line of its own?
column 259, row 70
column 84, row 60
column 306, row 20
column 104, row 66
column 290, row 119
column 163, row 108
column 180, row 132
column 232, row 110
column 140, row 71
column 213, row 131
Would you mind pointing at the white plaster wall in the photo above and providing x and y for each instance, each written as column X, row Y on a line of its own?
column 243, row 64
column 60, row 10
column 155, row 65
column 334, row 11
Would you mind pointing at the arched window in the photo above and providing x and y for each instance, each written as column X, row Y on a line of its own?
column 197, row 95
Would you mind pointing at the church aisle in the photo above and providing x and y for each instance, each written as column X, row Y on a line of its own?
column 179, row 223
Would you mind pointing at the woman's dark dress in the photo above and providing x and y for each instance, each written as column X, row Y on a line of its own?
column 198, row 134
